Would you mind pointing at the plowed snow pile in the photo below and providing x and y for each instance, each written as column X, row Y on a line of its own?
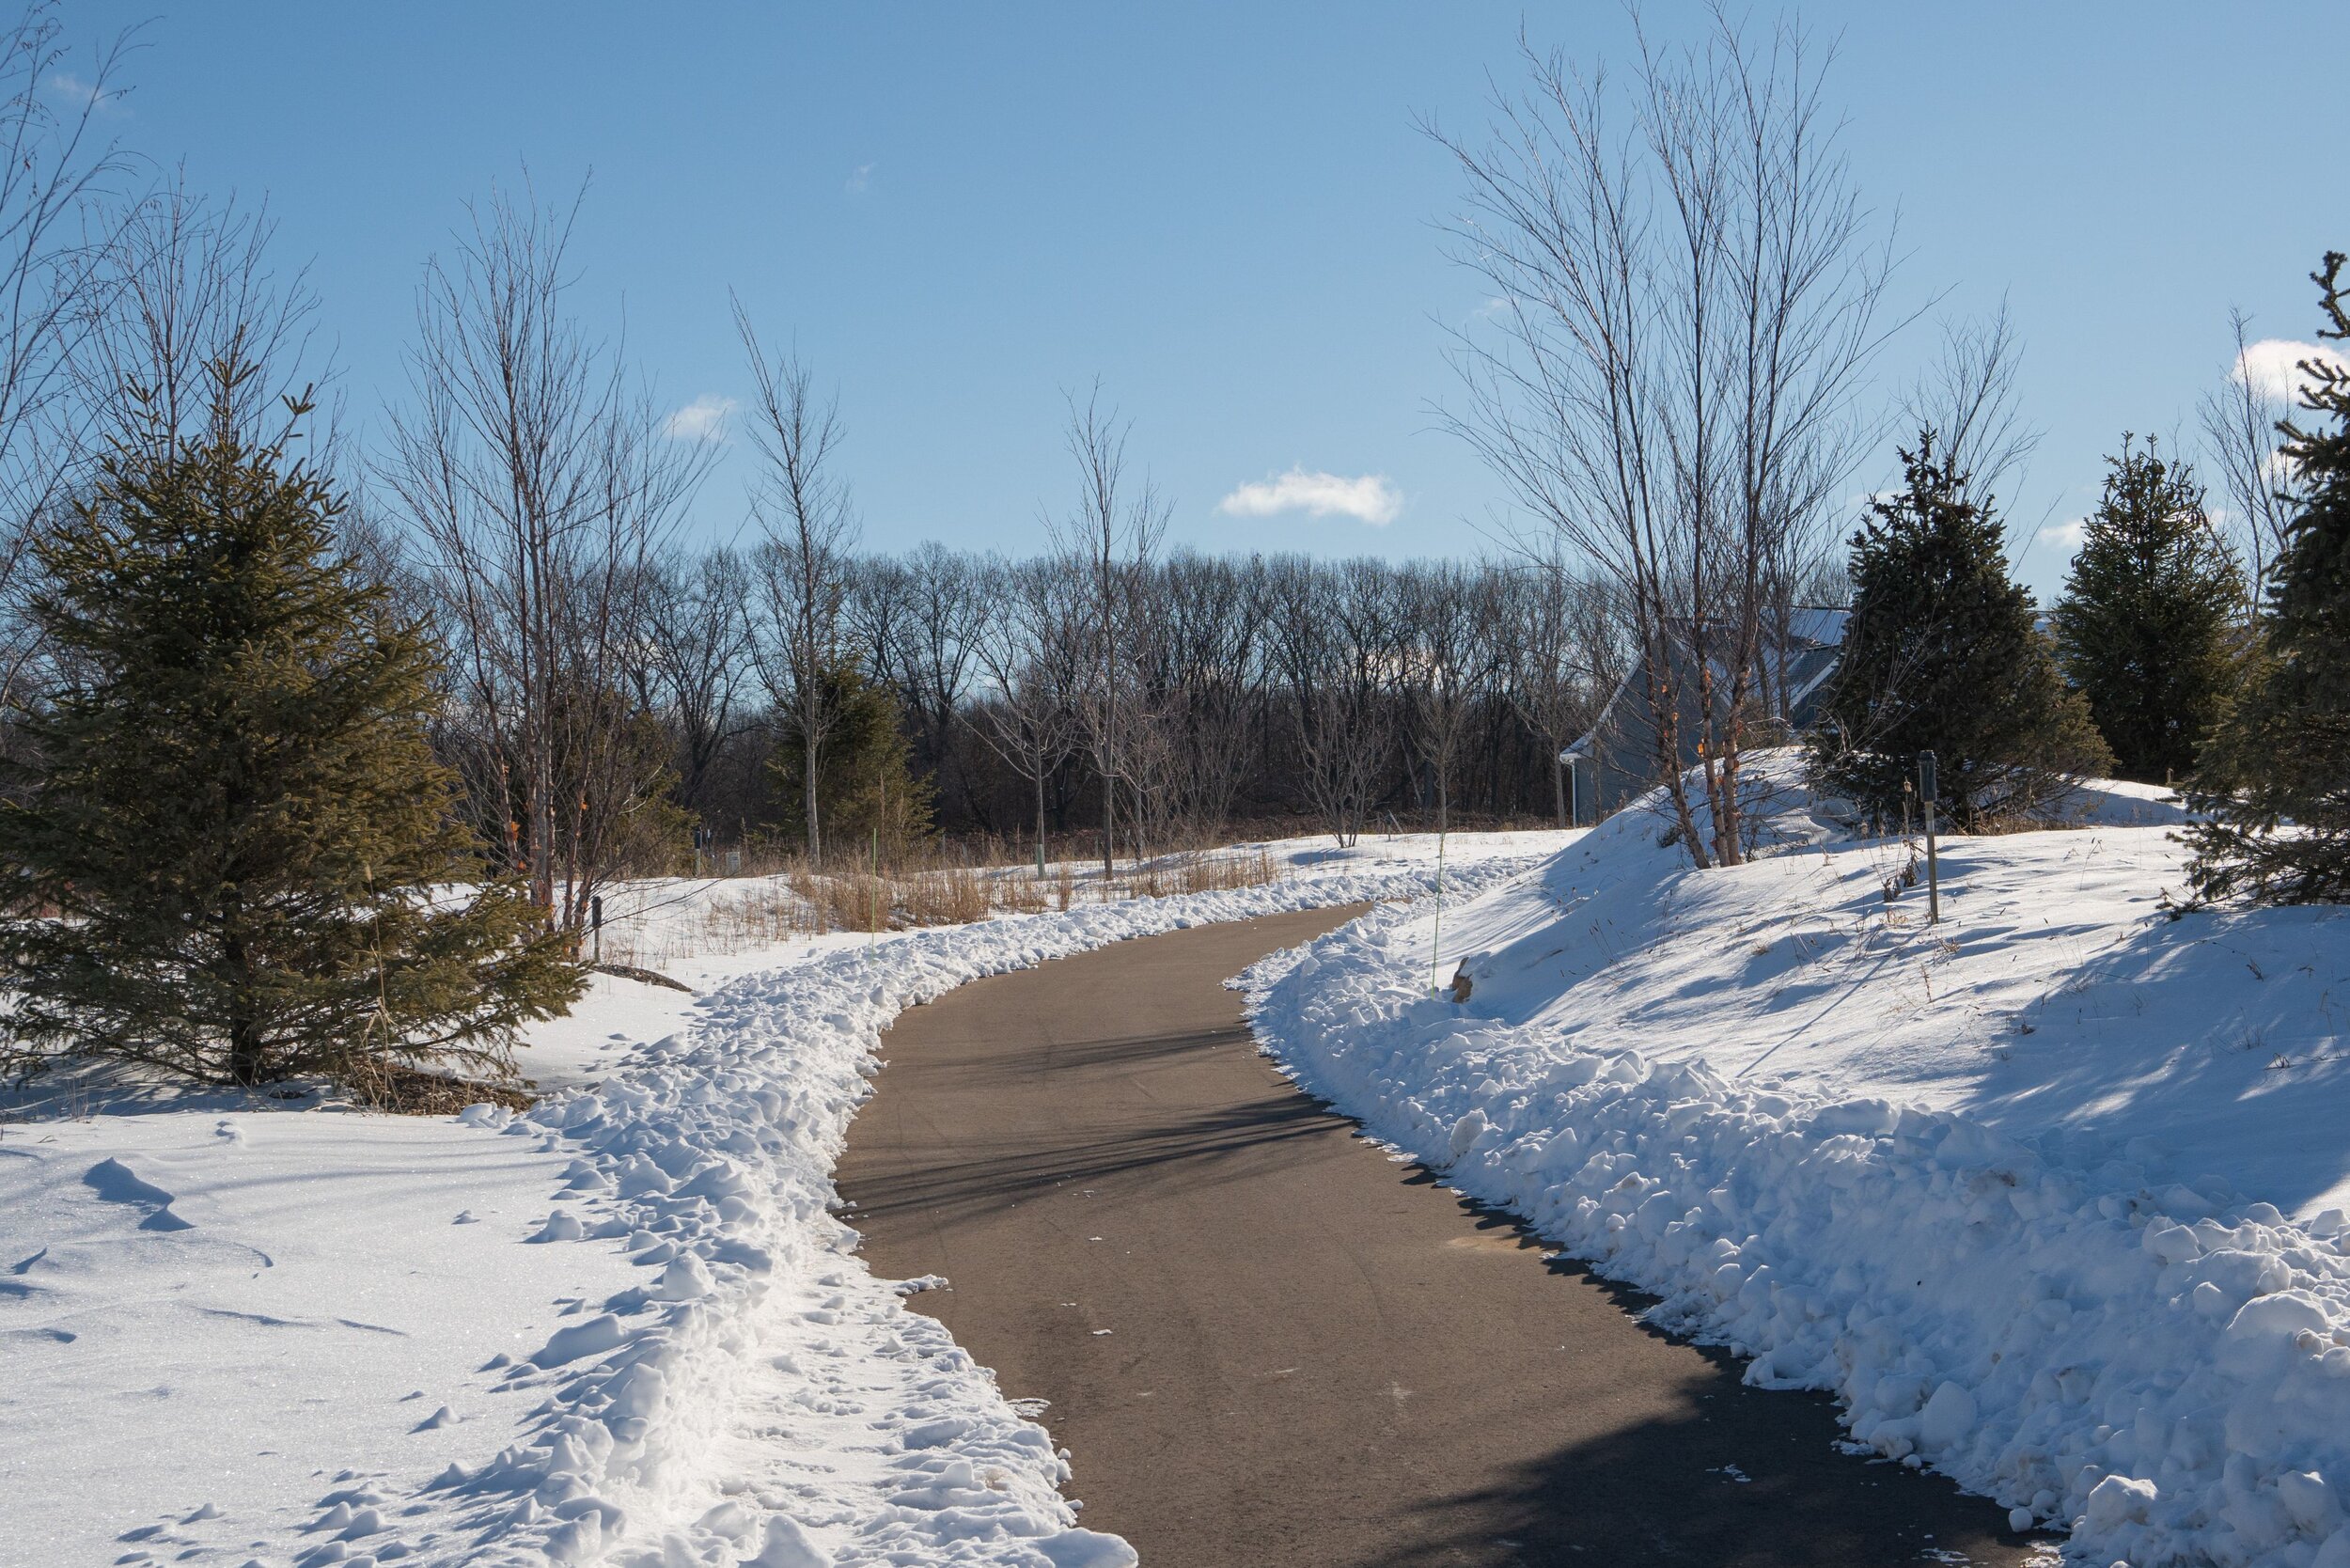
column 2047, row 1195
column 623, row 1328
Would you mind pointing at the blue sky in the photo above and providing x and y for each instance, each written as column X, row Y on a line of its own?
column 1224, row 212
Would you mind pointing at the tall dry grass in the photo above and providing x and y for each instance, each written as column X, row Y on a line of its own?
column 734, row 915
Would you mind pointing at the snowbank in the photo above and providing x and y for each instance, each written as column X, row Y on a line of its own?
column 1708, row 1085
column 679, row 1360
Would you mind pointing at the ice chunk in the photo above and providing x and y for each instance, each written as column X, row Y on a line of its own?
column 593, row 1337
column 2172, row 1244
column 2310, row 1501
column 2118, row 1500
column 1947, row 1417
column 1087, row 1548
column 686, row 1278
column 1467, row 1130
column 787, row 1546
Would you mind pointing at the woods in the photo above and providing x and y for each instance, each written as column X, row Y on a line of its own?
column 1215, row 693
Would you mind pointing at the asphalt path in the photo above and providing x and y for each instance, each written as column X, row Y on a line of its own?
column 1266, row 1342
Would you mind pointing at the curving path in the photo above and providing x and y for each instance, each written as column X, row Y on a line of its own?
column 1266, row 1342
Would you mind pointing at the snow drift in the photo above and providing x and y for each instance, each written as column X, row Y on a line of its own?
column 1710, row 1085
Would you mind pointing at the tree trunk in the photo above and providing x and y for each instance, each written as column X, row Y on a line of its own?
column 1040, row 818
column 808, row 750
column 1109, row 828
column 244, row 1033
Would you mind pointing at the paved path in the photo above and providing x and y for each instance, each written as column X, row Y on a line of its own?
column 1266, row 1343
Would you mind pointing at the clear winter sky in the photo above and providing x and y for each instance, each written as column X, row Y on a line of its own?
column 1224, row 211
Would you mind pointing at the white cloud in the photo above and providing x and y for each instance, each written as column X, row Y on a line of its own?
column 1371, row 498
column 2271, row 365
column 2065, row 536
column 703, row 419
column 73, row 90
column 860, row 177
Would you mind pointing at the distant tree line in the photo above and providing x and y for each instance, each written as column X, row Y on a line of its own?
column 1281, row 692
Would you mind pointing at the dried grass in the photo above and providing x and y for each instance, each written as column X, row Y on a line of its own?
column 407, row 1091
column 1192, row 872
column 742, row 915
column 953, row 896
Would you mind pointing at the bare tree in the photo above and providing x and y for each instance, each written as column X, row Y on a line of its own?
column 2244, row 441
column 1333, row 636
column 1967, row 396
column 1109, row 537
column 181, row 282
column 942, row 593
column 698, row 631
column 1681, row 320
column 544, row 489
column 808, row 530
column 1562, row 661
column 58, row 181
column 1206, row 614
column 1448, row 654
column 1034, row 664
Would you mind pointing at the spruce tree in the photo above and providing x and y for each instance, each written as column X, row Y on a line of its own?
column 235, row 856
column 2273, row 786
column 2148, row 627
column 1941, row 655
column 869, row 793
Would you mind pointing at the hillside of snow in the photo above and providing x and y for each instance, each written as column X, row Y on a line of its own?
column 2016, row 1187
column 2056, row 997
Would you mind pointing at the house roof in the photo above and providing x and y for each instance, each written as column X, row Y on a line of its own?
column 1814, row 634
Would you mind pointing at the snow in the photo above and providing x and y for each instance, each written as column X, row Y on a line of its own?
column 2016, row 1188
column 624, row 1329
column 201, row 1314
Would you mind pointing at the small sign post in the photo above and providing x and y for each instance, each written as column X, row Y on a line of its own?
column 1934, row 880
column 595, row 922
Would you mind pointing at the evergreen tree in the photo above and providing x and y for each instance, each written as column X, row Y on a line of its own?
column 865, row 776
column 2148, row 626
column 235, row 852
column 1941, row 655
column 2274, row 781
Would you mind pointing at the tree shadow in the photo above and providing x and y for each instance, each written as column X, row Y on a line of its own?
column 1183, row 1153
column 2218, row 1035
column 1124, row 1052
column 1738, row 1477
column 1709, row 1489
